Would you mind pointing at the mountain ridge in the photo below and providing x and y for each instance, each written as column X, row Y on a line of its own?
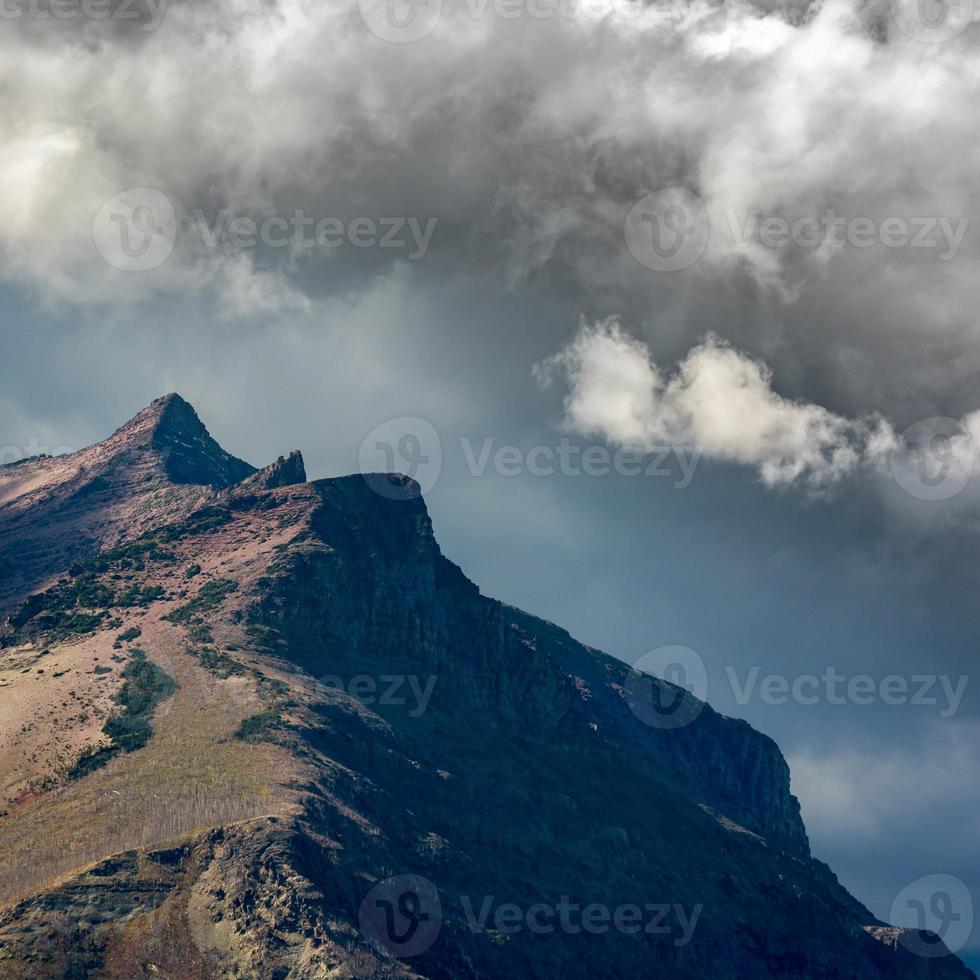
column 526, row 774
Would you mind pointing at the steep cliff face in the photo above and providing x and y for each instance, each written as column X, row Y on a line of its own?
column 372, row 586
column 171, row 427
column 361, row 761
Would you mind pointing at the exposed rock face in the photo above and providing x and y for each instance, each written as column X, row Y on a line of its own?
column 376, row 587
column 154, row 469
column 391, row 721
column 188, row 452
column 286, row 471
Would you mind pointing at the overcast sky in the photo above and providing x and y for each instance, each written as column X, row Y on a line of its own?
column 734, row 242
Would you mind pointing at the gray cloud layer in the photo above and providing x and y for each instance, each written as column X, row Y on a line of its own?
column 531, row 140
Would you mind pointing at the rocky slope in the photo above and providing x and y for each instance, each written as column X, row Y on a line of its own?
column 261, row 727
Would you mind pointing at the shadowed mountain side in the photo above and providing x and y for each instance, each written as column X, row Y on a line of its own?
column 376, row 716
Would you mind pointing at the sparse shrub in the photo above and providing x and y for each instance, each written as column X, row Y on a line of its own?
column 209, row 597
column 137, row 595
column 146, row 685
column 219, row 664
column 131, row 556
column 131, row 634
column 257, row 727
column 201, row 633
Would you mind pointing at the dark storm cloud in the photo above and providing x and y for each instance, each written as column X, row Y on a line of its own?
column 530, row 141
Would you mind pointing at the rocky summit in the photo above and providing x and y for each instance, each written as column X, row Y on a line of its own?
column 260, row 727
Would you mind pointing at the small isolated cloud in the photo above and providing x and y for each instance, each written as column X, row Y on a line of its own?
column 720, row 401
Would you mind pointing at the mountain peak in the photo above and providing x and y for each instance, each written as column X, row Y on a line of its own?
column 170, row 426
column 168, row 413
column 171, row 398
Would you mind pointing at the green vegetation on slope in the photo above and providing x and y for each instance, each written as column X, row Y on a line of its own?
column 218, row 663
column 79, row 605
column 146, row 685
column 209, row 597
column 258, row 727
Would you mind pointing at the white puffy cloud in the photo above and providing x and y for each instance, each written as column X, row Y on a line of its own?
column 721, row 402
column 718, row 400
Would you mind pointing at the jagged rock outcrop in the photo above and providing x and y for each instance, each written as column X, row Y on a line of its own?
column 348, row 708
column 286, row 471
